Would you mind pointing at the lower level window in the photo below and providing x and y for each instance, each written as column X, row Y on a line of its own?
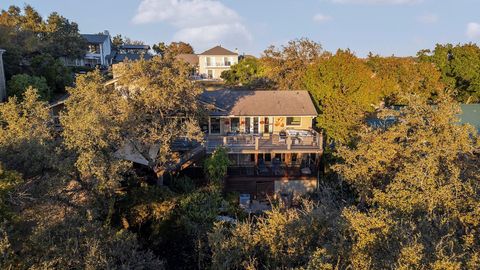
column 294, row 121
column 214, row 125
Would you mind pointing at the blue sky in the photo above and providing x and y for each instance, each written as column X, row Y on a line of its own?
column 386, row 27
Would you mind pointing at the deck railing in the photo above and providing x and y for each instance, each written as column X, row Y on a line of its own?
column 291, row 140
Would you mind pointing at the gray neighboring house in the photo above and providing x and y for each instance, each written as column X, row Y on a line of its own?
column 3, row 88
column 99, row 52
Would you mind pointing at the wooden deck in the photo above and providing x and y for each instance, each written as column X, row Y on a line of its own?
column 270, row 143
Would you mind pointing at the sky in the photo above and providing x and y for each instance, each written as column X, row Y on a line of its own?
column 385, row 27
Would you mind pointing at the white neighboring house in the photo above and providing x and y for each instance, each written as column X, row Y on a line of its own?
column 3, row 88
column 216, row 60
column 99, row 51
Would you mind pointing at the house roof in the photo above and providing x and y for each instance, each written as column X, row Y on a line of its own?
column 192, row 59
column 218, row 50
column 470, row 115
column 120, row 57
column 95, row 38
column 260, row 103
column 135, row 47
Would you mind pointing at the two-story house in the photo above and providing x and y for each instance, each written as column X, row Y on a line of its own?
column 3, row 88
column 99, row 51
column 213, row 62
column 270, row 138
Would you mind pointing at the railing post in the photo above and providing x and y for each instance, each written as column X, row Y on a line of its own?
column 257, row 140
column 289, row 143
column 224, row 140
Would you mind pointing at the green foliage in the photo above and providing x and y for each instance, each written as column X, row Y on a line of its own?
column 19, row 83
column 57, row 75
column 460, row 68
column 183, row 185
column 9, row 180
column 34, row 45
column 400, row 76
column 286, row 66
column 248, row 73
column 26, row 141
column 173, row 49
column 344, row 89
column 216, row 166
column 417, row 181
column 279, row 240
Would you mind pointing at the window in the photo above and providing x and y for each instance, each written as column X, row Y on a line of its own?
column 235, row 124
column 210, row 73
column 215, row 125
column 247, row 125
column 226, row 61
column 266, row 125
column 94, row 48
column 294, row 121
column 209, row 61
column 255, row 125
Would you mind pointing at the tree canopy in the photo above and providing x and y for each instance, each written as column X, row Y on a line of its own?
column 460, row 68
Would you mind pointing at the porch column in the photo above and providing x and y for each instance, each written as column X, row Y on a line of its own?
column 209, row 124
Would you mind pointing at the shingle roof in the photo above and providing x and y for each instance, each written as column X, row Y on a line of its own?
column 120, row 57
column 135, row 47
column 192, row 59
column 260, row 103
column 471, row 115
column 218, row 50
column 95, row 38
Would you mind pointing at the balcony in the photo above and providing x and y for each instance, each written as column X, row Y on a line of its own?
column 218, row 64
column 289, row 141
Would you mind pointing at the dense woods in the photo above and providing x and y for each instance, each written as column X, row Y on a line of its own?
column 402, row 196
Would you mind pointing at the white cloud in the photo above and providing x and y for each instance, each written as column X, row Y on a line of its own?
column 473, row 30
column 321, row 17
column 388, row 2
column 202, row 23
column 428, row 18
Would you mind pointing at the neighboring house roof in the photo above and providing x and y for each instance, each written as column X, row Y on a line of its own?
column 260, row 103
column 135, row 47
column 470, row 115
column 120, row 57
column 192, row 59
column 218, row 50
column 95, row 38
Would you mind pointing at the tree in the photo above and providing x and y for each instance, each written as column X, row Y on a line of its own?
column 152, row 104
column 248, row 72
column 417, row 188
column 281, row 239
column 57, row 75
column 160, row 48
column 344, row 89
column 404, row 75
column 62, row 38
column 117, row 41
column 26, row 134
column 19, row 83
column 286, row 67
column 216, row 166
column 34, row 46
column 173, row 49
column 459, row 66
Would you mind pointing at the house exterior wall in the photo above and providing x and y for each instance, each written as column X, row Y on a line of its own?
column 217, row 64
column 276, row 124
column 3, row 88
